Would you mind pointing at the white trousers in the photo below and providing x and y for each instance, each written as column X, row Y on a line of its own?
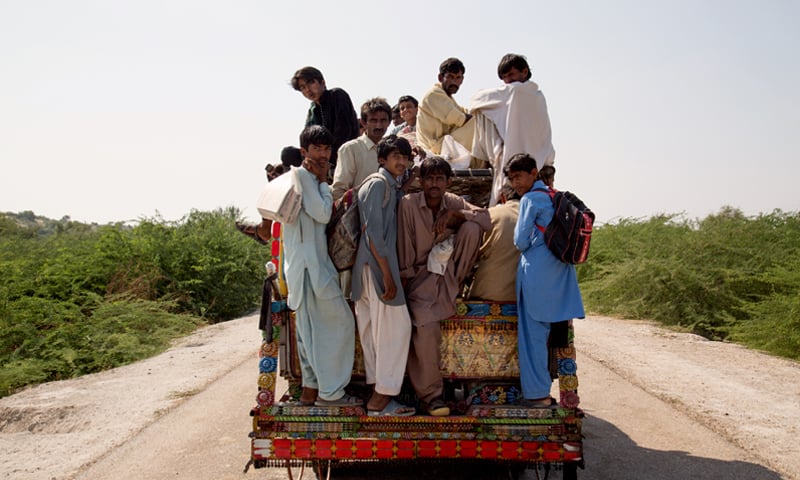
column 385, row 333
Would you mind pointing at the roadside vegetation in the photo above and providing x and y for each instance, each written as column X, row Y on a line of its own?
column 78, row 298
column 727, row 277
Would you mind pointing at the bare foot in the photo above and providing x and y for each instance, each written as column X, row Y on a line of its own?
column 544, row 402
column 385, row 405
column 378, row 401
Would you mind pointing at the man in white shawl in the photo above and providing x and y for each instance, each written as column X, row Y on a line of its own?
column 511, row 119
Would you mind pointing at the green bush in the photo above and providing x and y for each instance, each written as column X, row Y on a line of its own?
column 77, row 298
column 208, row 266
column 726, row 277
column 773, row 322
column 47, row 339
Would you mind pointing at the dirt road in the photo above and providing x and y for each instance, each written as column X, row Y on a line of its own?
column 660, row 405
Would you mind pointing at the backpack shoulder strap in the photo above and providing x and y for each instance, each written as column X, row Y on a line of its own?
column 551, row 192
column 386, row 192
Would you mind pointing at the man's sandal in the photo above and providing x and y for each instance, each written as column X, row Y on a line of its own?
column 393, row 409
column 345, row 401
column 437, row 408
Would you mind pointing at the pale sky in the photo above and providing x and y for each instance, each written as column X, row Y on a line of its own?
column 116, row 110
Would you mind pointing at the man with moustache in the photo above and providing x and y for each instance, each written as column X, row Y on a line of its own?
column 358, row 158
column 439, row 114
column 425, row 219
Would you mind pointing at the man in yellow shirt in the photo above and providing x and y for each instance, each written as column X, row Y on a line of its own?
column 439, row 114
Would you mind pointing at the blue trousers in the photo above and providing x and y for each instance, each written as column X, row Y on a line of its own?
column 532, row 338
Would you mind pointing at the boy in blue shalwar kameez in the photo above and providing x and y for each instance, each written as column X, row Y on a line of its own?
column 547, row 289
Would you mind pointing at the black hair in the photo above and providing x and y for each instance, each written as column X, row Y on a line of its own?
column 306, row 74
column 374, row 105
column 451, row 65
column 291, row 156
column 408, row 98
column 547, row 173
column 520, row 162
column 509, row 193
column 393, row 143
column 315, row 135
column 512, row 60
column 435, row 164
column 275, row 171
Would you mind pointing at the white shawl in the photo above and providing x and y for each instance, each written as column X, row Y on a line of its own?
column 519, row 113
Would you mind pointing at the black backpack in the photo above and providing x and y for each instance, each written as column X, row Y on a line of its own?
column 569, row 232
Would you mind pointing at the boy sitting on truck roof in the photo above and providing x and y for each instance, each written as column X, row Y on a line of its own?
column 330, row 108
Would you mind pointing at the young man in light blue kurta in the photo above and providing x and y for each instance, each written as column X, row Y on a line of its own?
column 547, row 289
column 325, row 324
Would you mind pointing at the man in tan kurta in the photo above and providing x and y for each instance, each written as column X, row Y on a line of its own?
column 424, row 219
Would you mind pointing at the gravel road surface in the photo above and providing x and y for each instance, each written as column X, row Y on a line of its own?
column 659, row 405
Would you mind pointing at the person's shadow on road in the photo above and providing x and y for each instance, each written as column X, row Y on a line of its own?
column 610, row 454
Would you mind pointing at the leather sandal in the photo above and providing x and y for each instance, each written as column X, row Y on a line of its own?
column 345, row 401
column 437, row 408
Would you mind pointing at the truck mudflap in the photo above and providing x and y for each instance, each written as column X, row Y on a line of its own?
column 480, row 365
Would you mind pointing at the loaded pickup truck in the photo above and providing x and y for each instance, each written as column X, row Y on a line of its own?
column 487, row 424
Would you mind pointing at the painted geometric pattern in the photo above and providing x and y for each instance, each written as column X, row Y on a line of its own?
column 480, row 341
column 566, row 428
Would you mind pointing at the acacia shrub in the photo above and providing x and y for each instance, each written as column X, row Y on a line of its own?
column 204, row 263
column 77, row 298
column 728, row 276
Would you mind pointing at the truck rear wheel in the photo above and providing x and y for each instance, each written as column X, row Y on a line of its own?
column 322, row 469
column 570, row 471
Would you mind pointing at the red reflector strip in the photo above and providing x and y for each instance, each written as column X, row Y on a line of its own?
column 283, row 453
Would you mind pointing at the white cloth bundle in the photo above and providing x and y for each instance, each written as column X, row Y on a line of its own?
column 440, row 254
column 280, row 200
